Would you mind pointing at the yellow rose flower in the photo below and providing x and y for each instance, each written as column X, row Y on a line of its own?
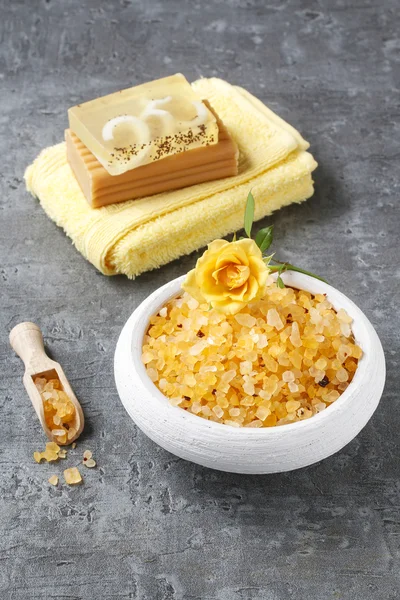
column 229, row 275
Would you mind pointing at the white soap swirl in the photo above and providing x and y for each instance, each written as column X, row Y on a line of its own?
column 167, row 120
column 141, row 127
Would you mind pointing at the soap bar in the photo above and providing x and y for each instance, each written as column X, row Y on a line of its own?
column 188, row 168
column 144, row 124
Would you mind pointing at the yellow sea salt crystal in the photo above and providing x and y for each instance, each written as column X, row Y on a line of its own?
column 72, row 476
column 53, row 447
column 356, row 351
column 71, row 433
column 53, row 480
column 50, row 456
column 38, row 456
column 262, row 413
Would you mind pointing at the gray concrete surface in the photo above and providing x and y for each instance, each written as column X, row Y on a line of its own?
column 145, row 525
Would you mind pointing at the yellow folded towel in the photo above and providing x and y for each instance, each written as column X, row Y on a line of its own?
column 139, row 235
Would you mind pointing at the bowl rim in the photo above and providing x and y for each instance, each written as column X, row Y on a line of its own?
column 363, row 331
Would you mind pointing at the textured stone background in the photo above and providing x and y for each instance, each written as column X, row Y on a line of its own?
column 146, row 525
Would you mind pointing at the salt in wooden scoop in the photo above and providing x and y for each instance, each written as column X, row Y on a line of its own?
column 27, row 341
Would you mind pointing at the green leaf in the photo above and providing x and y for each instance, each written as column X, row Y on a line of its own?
column 279, row 282
column 234, row 237
column 267, row 260
column 209, row 307
column 249, row 214
column 264, row 238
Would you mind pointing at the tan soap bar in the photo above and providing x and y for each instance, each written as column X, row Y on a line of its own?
column 178, row 171
column 143, row 124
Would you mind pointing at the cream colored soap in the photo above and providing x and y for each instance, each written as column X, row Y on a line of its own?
column 143, row 124
column 174, row 172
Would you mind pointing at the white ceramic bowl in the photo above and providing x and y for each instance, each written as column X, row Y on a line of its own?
column 244, row 450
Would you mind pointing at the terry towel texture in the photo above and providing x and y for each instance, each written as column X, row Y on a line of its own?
column 139, row 235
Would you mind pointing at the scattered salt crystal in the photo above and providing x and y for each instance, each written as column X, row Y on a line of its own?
column 234, row 412
column 262, row 413
column 72, row 476
column 248, row 388
column 342, row 375
column 345, row 329
column 227, row 376
column 315, row 316
column 295, row 335
column 176, row 401
column 153, row 374
column 147, row 357
column 208, row 369
column 273, row 319
column 38, row 456
column 192, row 304
column 231, row 423
column 343, row 352
column 248, row 401
column 254, row 424
column 292, row 406
column 343, row 316
column 189, row 379
column 197, row 348
column 162, row 384
column 245, row 320
column 262, row 341
column 321, row 363
column 163, row 312
column 288, row 376
column 246, row 367
column 53, row 480
column 331, row 396
column 57, row 432
column 217, row 410
column 195, row 408
column 293, row 387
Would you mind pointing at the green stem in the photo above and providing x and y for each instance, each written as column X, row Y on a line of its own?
column 283, row 266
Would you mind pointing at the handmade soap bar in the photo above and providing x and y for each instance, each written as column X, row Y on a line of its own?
column 143, row 124
column 195, row 166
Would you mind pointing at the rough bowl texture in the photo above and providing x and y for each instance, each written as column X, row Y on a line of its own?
column 243, row 450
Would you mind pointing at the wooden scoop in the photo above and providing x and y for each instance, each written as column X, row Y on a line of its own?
column 27, row 341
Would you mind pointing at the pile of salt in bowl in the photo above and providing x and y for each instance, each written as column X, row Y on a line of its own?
column 279, row 360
